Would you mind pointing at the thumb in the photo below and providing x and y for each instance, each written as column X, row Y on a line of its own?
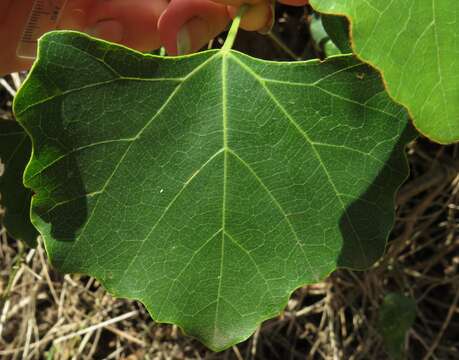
column 187, row 25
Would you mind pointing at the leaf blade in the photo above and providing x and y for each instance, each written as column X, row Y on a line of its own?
column 411, row 43
column 199, row 194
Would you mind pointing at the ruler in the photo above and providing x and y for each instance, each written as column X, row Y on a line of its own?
column 44, row 17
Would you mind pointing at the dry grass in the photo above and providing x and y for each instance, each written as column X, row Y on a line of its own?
column 45, row 315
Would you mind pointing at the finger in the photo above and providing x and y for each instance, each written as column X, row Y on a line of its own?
column 238, row 3
column 295, row 2
column 14, row 17
column 4, row 7
column 132, row 23
column 187, row 25
column 75, row 15
column 242, row 2
column 258, row 16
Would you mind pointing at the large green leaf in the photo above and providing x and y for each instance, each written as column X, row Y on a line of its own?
column 15, row 151
column 414, row 43
column 210, row 186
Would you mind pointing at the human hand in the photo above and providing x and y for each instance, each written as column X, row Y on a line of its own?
column 181, row 26
column 187, row 25
column 134, row 23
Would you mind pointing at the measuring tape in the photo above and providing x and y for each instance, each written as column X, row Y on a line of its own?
column 44, row 17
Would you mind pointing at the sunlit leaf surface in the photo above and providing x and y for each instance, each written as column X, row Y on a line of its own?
column 415, row 45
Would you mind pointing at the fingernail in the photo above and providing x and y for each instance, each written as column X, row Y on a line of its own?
column 110, row 30
column 272, row 17
column 183, row 41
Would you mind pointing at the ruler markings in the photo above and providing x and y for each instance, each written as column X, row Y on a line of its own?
column 43, row 17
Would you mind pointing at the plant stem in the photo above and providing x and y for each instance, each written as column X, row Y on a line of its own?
column 232, row 33
column 276, row 40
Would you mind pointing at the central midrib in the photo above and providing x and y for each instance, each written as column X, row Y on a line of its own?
column 225, row 173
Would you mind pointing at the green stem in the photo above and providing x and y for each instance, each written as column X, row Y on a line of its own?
column 282, row 45
column 232, row 33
